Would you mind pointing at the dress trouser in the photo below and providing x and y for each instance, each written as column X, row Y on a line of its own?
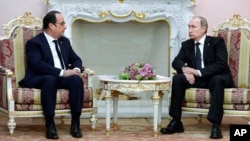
column 49, row 85
column 215, row 84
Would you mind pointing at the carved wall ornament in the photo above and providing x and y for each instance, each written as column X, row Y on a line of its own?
column 139, row 15
column 176, row 13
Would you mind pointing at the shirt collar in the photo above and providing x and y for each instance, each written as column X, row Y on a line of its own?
column 48, row 37
column 202, row 40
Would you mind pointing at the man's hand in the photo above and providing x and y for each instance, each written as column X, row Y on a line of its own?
column 190, row 78
column 71, row 72
column 190, row 74
column 189, row 70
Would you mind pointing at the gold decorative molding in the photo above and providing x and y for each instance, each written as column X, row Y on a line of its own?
column 139, row 15
column 236, row 21
column 103, row 14
column 121, row 1
column 26, row 20
column 155, row 98
column 232, row 23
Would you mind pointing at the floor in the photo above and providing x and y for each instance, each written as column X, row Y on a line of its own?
column 138, row 129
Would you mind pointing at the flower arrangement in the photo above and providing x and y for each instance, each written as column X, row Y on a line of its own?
column 138, row 71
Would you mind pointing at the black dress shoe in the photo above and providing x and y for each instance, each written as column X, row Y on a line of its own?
column 75, row 131
column 173, row 127
column 51, row 132
column 216, row 133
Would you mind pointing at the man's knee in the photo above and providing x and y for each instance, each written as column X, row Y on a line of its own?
column 179, row 78
column 49, row 80
column 76, row 79
column 216, row 79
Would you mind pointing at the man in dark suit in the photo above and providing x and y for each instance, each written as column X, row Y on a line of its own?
column 204, row 66
column 48, row 57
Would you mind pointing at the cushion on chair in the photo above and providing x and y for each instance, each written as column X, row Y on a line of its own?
column 26, row 98
column 29, row 99
column 241, row 107
column 232, row 95
column 235, row 98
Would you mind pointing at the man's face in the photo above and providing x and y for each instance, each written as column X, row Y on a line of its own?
column 59, row 26
column 195, row 30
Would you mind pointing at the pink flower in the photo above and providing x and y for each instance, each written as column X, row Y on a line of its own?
column 139, row 71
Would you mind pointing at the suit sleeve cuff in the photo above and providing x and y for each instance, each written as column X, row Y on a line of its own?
column 199, row 73
column 61, row 73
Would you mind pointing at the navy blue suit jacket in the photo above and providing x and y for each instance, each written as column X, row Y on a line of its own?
column 40, row 60
column 214, row 56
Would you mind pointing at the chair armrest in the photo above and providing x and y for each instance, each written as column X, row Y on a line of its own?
column 5, row 71
column 89, row 71
column 7, row 88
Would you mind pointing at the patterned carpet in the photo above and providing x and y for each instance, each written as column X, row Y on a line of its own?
column 193, row 132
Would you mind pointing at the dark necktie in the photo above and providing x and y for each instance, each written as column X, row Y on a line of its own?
column 198, row 56
column 59, row 53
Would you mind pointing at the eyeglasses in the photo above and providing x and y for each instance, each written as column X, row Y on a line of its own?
column 62, row 23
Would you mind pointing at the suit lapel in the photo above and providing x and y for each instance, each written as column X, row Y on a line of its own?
column 206, row 46
column 192, row 51
column 46, row 47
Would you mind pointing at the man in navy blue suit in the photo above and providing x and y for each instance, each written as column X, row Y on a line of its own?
column 48, row 57
column 200, row 63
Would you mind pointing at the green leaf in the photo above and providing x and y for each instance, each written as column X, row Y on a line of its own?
column 138, row 77
column 124, row 76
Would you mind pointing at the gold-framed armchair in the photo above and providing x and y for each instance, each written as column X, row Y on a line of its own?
column 17, row 102
column 236, row 33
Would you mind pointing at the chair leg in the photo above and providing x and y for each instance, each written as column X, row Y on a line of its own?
column 93, row 120
column 199, row 118
column 11, row 125
column 62, row 120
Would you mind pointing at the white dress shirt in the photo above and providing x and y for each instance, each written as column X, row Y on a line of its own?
column 56, row 59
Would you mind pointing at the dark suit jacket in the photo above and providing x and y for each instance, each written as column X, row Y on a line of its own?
column 214, row 56
column 40, row 60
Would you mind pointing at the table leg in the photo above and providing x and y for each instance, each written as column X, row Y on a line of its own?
column 108, row 105
column 160, row 109
column 155, row 99
column 115, row 107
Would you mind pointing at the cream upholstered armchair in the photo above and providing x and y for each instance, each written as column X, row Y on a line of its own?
column 236, row 33
column 16, row 102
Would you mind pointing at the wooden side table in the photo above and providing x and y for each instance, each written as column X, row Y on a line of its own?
column 112, row 87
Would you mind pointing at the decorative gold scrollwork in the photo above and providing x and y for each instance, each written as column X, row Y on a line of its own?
column 235, row 21
column 121, row 1
column 115, row 93
column 102, row 14
column 139, row 15
column 27, row 20
column 155, row 97
column 161, row 93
